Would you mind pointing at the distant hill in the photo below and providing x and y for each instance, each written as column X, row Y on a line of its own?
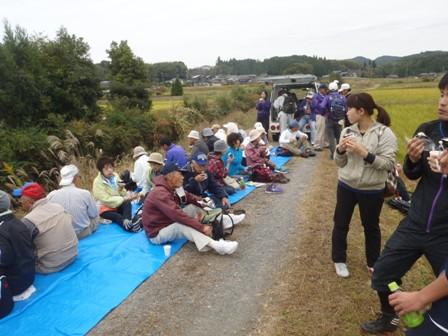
column 360, row 59
column 386, row 59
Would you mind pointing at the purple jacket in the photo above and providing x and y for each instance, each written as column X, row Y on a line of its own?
column 325, row 104
column 263, row 107
column 315, row 104
column 177, row 155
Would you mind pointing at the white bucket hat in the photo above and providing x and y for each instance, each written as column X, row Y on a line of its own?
column 68, row 173
column 193, row 135
column 138, row 151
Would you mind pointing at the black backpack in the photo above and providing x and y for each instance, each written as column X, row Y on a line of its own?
column 338, row 107
column 289, row 105
column 214, row 217
column 6, row 302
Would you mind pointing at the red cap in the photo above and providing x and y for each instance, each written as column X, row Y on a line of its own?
column 34, row 191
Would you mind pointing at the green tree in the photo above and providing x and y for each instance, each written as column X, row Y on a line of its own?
column 176, row 88
column 23, row 80
column 75, row 88
column 129, row 76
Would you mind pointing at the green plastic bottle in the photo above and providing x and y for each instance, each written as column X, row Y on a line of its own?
column 412, row 319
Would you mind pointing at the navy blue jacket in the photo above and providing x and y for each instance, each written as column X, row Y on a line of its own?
column 209, row 185
column 17, row 253
column 430, row 200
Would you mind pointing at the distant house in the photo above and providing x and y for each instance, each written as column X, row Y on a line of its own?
column 428, row 75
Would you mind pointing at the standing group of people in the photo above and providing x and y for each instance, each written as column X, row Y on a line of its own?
column 365, row 154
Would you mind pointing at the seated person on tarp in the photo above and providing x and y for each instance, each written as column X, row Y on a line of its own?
column 141, row 168
column 200, row 182
column 155, row 161
column 233, row 158
column 294, row 142
column 17, row 260
column 258, row 163
column 218, row 169
column 78, row 202
column 164, row 220
column 209, row 138
column 174, row 153
column 51, row 227
column 113, row 201
column 196, row 143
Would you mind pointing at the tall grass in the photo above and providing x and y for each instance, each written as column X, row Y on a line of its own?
column 408, row 108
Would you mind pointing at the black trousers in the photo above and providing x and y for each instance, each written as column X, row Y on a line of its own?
column 124, row 211
column 407, row 244
column 370, row 204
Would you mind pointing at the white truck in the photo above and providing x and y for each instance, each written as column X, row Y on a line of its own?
column 300, row 84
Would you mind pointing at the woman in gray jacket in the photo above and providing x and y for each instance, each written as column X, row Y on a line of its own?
column 365, row 153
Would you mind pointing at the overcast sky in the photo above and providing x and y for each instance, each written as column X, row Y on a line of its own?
column 197, row 32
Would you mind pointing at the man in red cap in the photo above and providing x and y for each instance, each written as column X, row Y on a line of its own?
column 51, row 227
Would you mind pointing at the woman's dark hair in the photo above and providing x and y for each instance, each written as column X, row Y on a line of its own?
column 365, row 101
column 103, row 161
column 443, row 84
column 265, row 92
column 232, row 138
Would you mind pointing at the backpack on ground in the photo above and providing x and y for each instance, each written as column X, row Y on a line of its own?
column 136, row 224
column 214, row 217
column 338, row 107
column 289, row 105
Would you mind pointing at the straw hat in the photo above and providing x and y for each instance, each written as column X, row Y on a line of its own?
column 255, row 134
column 156, row 158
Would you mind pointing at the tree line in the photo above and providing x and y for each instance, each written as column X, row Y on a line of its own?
column 432, row 61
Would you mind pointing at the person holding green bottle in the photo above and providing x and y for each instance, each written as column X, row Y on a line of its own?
column 436, row 319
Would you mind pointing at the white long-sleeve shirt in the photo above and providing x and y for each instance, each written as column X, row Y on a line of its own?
column 288, row 136
column 141, row 171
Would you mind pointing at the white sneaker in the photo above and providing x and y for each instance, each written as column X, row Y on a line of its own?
column 341, row 270
column 225, row 246
column 235, row 219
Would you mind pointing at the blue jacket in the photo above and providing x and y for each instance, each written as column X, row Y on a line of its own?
column 176, row 154
column 209, row 185
column 236, row 167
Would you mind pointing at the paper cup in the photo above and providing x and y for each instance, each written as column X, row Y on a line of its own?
column 167, row 250
column 434, row 162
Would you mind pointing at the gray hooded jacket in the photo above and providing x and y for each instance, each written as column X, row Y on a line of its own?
column 357, row 172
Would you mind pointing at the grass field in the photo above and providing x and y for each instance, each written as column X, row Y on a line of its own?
column 409, row 101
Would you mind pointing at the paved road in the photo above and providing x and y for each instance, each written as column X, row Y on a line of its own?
column 206, row 294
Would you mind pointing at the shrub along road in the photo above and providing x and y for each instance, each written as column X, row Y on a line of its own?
column 206, row 294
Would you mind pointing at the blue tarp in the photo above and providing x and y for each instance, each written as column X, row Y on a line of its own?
column 111, row 263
